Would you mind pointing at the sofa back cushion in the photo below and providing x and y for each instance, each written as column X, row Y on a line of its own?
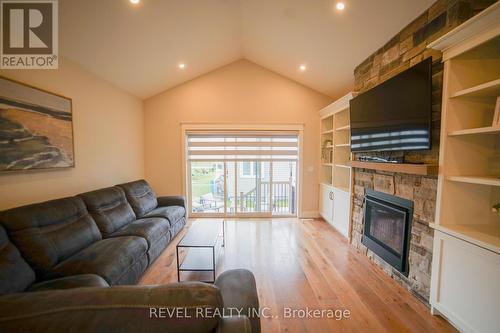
column 109, row 208
column 15, row 273
column 50, row 232
column 141, row 197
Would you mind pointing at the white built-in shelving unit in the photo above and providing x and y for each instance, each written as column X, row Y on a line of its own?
column 336, row 172
column 466, row 256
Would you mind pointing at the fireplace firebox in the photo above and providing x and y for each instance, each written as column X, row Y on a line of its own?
column 387, row 228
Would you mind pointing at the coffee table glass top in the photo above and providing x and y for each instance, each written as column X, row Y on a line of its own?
column 202, row 234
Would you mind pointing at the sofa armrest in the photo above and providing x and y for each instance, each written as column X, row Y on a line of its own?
column 113, row 309
column 174, row 200
column 234, row 324
column 239, row 291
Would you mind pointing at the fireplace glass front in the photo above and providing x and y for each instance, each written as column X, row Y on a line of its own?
column 387, row 227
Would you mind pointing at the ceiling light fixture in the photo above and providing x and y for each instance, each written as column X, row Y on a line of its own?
column 181, row 66
column 302, row 68
column 340, row 6
column 135, row 2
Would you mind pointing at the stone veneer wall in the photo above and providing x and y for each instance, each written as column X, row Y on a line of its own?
column 405, row 49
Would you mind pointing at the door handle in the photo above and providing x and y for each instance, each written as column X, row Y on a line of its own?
column 331, row 195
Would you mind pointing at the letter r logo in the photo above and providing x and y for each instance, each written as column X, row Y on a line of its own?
column 27, row 27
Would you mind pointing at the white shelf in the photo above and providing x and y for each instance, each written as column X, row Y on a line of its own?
column 491, row 88
column 479, row 130
column 344, row 128
column 327, row 132
column 327, row 164
column 484, row 235
column 491, row 181
column 343, row 145
column 343, row 166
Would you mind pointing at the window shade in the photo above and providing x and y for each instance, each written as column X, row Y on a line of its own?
column 242, row 146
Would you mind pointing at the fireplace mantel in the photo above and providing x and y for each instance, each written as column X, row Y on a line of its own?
column 415, row 169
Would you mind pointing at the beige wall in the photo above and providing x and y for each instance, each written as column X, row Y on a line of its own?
column 108, row 132
column 241, row 92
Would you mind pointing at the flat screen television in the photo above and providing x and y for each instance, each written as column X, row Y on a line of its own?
column 395, row 115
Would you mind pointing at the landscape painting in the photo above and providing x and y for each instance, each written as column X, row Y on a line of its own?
column 36, row 128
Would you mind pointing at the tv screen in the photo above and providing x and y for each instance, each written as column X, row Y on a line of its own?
column 395, row 115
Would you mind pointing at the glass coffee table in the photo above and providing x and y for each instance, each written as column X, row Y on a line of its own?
column 203, row 241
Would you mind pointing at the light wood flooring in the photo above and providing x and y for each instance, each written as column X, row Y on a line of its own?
column 306, row 263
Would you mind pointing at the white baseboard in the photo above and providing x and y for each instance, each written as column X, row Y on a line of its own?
column 309, row 214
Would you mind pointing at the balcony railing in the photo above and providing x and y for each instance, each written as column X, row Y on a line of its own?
column 282, row 195
column 277, row 198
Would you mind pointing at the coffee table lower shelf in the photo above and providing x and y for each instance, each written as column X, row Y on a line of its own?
column 198, row 259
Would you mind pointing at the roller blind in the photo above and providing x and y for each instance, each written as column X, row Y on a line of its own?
column 268, row 145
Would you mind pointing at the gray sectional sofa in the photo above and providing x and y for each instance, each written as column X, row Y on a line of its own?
column 60, row 259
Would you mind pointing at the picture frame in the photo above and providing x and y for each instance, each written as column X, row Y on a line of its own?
column 36, row 128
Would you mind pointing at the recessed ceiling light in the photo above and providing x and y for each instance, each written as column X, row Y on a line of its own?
column 182, row 66
column 135, row 2
column 302, row 68
column 340, row 6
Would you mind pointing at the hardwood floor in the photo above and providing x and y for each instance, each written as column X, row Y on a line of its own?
column 301, row 264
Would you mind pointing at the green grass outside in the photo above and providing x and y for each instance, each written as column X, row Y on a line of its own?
column 201, row 182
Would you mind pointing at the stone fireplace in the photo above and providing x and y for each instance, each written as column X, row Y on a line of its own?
column 419, row 190
column 407, row 48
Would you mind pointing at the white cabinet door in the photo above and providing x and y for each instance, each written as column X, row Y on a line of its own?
column 341, row 209
column 326, row 202
column 465, row 284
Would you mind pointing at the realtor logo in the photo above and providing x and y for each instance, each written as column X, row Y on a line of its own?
column 29, row 34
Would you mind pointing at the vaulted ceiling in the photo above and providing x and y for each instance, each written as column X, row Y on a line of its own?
column 139, row 47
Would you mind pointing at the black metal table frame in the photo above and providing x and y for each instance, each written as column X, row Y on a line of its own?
column 179, row 270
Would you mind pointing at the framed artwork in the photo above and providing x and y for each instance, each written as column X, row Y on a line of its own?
column 496, row 117
column 36, row 128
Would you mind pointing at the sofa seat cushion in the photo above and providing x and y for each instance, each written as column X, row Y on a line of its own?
column 69, row 282
column 171, row 213
column 151, row 229
column 109, row 258
column 177, row 227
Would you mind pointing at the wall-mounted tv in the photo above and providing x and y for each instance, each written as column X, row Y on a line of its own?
column 395, row 115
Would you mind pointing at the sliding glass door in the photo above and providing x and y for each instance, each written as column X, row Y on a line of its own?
column 284, row 187
column 252, row 187
column 242, row 174
column 207, row 187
